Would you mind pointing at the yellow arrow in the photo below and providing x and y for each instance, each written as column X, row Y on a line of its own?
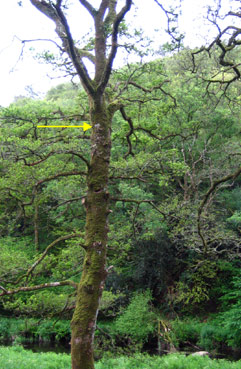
column 85, row 126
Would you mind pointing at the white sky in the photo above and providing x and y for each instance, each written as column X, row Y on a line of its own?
column 26, row 22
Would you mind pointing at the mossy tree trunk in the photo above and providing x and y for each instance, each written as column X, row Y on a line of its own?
column 94, row 268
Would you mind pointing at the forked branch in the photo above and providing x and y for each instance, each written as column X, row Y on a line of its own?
column 214, row 186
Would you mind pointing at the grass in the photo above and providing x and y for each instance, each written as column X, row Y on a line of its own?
column 18, row 358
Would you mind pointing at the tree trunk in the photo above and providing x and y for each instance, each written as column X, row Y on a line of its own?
column 94, row 269
column 36, row 224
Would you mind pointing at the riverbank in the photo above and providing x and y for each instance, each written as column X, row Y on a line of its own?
column 18, row 358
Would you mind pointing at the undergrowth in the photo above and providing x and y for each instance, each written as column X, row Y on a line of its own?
column 18, row 358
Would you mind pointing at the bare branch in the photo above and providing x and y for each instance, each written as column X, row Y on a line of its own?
column 89, row 7
column 107, row 72
column 225, row 41
column 55, row 13
column 70, row 48
column 154, row 88
column 129, row 120
column 38, row 287
column 172, row 18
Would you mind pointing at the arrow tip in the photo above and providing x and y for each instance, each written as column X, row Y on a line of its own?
column 86, row 126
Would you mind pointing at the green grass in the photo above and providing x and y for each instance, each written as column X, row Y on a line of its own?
column 18, row 358
column 173, row 361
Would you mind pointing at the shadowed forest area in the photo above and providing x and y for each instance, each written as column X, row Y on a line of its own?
column 161, row 162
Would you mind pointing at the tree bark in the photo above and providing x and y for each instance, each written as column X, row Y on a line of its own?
column 94, row 269
column 36, row 224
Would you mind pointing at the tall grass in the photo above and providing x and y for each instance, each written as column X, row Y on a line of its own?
column 18, row 358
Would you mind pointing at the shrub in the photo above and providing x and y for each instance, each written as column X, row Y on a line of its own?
column 137, row 321
column 185, row 331
column 20, row 329
column 230, row 319
column 211, row 337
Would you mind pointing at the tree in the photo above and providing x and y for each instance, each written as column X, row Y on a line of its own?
column 107, row 22
column 103, row 103
column 225, row 47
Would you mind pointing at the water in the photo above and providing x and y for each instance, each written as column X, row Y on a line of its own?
column 44, row 347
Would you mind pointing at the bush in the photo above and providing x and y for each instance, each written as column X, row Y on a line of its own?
column 185, row 331
column 211, row 337
column 33, row 329
column 137, row 321
column 230, row 322
column 10, row 328
column 230, row 319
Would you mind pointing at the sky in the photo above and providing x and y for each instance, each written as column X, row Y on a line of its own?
column 20, row 72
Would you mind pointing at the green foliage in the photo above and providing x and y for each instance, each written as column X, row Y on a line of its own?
column 108, row 301
column 33, row 330
column 173, row 361
column 196, row 287
column 39, row 304
column 211, row 336
column 18, row 358
column 10, row 328
column 235, row 220
column 182, row 142
column 16, row 252
column 185, row 330
column 137, row 321
column 49, row 329
column 230, row 319
column 154, row 260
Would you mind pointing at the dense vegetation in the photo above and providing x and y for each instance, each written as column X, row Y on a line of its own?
column 16, row 357
column 174, row 260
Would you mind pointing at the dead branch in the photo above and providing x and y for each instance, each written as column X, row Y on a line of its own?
column 38, row 287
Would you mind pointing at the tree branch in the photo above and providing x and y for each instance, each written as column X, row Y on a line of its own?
column 150, row 90
column 37, row 262
column 215, row 184
column 38, row 287
column 55, row 13
column 66, row 174
column 139, row 202
column 107, row 72
column 88, row 7
column 129, row 120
